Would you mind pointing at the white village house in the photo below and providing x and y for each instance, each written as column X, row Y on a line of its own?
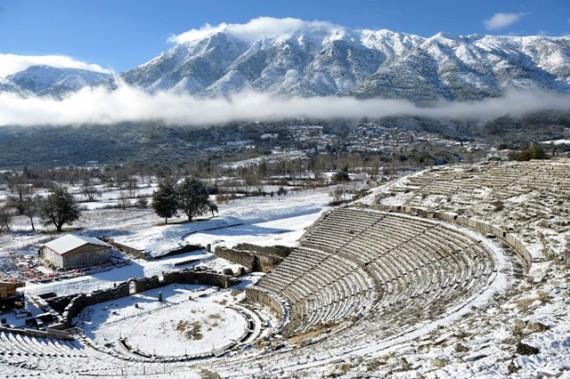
column 72, row 251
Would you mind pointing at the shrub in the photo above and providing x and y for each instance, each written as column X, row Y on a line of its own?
column 142, row 203
column 341, row 176
column 532, row 151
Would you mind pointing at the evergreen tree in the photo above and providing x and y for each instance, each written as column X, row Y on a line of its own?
column 165, row 201
column 59, row 209
column 213, row 208
column 193, row 198
column 341, row 176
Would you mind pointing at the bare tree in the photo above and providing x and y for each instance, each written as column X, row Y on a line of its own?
column 89, row 190
column 19, row 188
column 5, row 218
column 32, row 208
column 337, row 195
column 132, row 185
column 124, row 199
column 213, row 208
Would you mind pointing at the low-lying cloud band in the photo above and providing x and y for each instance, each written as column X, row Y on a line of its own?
column 129, row 104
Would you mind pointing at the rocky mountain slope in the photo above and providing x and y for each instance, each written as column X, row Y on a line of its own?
column 324, row 59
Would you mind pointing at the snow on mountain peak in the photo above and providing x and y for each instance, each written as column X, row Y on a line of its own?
column 260, row 28
column 12, row 63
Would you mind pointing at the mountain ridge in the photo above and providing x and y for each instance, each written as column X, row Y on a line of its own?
column 313, row 58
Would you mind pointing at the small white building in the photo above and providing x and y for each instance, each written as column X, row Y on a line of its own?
column 71, row 251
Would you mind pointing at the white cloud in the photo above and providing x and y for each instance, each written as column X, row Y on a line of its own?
column 502, row 20
column 12, row 63
column 257, row 28
column 128, row 104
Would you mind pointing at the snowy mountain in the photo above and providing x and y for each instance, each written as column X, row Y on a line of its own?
column 295, row 57
column 312, row 58
column 43, row 80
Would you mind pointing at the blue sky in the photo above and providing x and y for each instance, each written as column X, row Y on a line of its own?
column 124, row 33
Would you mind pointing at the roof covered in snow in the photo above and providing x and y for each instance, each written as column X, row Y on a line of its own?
column 70, row 242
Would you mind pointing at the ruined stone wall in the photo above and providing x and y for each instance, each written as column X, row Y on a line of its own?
column 277, row 250
column 241, row 257
column 59, row 303
column 197, row 277
column 127, row 249
column 266, row 264
column 181, row 250
column 253, row 257
column 84, row 300
column 146, row 284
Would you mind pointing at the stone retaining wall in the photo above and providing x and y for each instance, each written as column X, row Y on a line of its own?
column 243, row 258
column 277, row 250
column 180, row 250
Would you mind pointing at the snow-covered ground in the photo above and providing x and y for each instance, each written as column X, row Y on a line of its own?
column 190, row 320
column 284, row 231
column 557, row 142
column 262, row 220
column 252, row 219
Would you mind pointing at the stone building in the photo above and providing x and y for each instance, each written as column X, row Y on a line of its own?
column 71, row 251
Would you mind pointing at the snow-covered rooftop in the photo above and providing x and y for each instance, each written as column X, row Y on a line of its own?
column 70, row 242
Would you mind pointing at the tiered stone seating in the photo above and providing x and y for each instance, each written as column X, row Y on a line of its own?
column 506, row 180
column 423, row 268
column 47, row 356
column 342, row 263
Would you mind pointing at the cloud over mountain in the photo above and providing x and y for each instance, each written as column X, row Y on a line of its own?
column 99, row 105
column 256, row 29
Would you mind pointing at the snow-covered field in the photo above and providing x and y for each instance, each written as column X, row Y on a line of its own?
column 262, row 220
